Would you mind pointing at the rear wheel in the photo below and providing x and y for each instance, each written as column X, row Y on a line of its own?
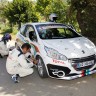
column 41, row 68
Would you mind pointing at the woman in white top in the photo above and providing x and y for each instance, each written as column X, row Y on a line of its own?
column 3, row 45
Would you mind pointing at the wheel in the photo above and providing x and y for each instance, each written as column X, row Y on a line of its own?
column 41, row 68
column 16, row 46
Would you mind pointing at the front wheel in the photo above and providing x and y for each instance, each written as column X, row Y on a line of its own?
column 41, row 68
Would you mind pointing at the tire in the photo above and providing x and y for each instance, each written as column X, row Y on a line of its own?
column 41, row 68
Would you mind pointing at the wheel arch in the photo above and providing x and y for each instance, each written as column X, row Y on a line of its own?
column 39, row 56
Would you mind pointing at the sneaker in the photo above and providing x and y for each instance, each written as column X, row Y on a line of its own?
column 15, row 78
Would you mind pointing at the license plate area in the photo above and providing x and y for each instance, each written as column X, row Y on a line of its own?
column 85, row 64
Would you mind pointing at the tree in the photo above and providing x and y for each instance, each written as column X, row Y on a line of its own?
column 46, row 7
column 3, row 3
column 42, row 6
column 85, row 15
column 60, row 8
column 20, row 11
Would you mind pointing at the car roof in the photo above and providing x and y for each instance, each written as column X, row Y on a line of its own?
column 38, row 23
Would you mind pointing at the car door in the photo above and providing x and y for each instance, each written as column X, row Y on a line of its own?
column 31, row 38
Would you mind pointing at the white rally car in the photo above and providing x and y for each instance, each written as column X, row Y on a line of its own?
column 61, row 52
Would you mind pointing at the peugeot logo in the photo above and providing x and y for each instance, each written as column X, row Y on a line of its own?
column 83, row 51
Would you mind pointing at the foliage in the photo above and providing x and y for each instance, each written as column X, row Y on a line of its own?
column 42, row 6
column 85, row 15
column 3, row 3
column 20, row 11
column 46, row 7
column 80, row 13
column 60, row 8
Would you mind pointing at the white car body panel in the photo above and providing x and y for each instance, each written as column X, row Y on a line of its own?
column 71, row 48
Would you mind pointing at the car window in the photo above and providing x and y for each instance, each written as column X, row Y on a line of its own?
column 30, row 32
column 55, row 31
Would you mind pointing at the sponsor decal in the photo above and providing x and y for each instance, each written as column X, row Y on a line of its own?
column 58, row 61
column 85, row 72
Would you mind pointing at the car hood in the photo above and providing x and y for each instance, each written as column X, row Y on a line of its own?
column 72, row 47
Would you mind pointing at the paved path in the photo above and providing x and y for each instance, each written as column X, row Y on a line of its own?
column 33, row 85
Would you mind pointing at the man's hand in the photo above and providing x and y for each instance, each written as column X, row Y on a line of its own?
column 35, row 61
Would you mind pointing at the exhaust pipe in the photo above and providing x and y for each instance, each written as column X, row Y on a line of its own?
column 60, row 74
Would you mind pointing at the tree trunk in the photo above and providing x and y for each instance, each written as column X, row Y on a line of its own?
column 19, row 25
column 80, row 20
column 11, row 25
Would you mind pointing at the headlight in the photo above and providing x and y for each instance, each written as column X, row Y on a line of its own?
column 52, row 53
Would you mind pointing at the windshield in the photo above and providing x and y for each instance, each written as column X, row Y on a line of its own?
column 55, row 31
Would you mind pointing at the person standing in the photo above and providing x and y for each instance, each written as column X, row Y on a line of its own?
column 3, row 45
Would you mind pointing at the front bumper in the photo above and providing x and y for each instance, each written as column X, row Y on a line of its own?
column 79, row 75
column 60, row 72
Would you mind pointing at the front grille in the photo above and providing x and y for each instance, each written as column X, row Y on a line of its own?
column 76, row 61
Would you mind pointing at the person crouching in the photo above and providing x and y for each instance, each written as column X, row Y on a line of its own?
column 17, row 65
